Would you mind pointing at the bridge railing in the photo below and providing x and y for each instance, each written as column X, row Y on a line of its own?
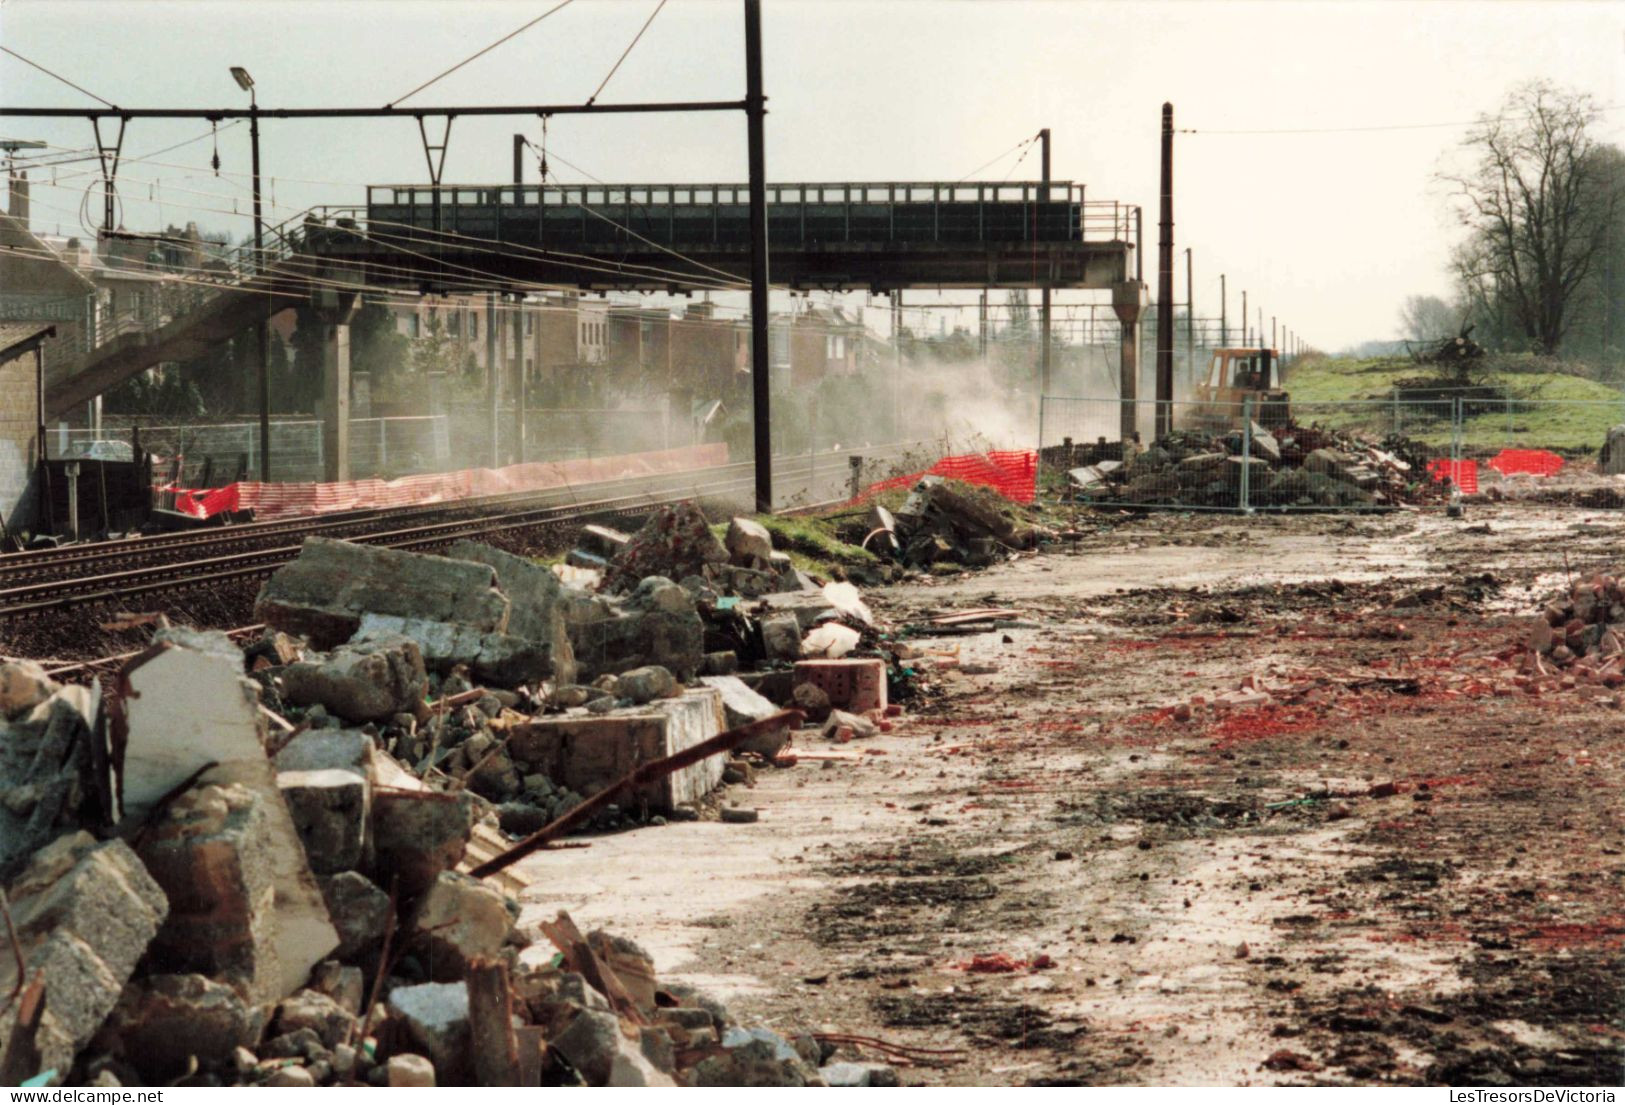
column 1006, row 211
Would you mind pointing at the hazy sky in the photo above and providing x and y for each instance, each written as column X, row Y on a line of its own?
column 1328, row 230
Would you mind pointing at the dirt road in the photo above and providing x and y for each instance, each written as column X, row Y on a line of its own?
column 1387, row 864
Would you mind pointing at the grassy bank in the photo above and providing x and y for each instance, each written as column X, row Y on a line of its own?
column 1552, row 410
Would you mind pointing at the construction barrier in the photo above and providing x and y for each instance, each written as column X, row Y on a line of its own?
column 1462, row 473
column 287, row 500
column 1013, row 473
column 1532, row 462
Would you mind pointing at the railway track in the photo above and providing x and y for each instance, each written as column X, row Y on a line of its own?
column 33, row 584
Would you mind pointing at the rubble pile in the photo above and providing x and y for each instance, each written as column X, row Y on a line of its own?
column 1292, row 466
column 289, row 863
column 1582, row 633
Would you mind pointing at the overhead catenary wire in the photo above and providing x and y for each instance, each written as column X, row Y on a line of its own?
column 995, row 160
column 614, row 68
column 1378, row 127
column 481, row 53
column 59, row 77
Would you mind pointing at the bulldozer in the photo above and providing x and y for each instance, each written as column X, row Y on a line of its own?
column 1235, row 375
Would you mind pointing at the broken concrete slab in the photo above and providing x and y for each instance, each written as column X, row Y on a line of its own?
column 458, row 920
column 533, row 594
column 323, row 593
column 588, row 752
column 211, row 851
column 332, row 1023
column 749, row 543
column 741, row 706
column 189, row 706
column 417, row 834
column 50, row 776
column 601, row 541
column 327, row 749
column 781, row 636
column 499, row 658
column 360, row 912
column 84, row 915
column 164, row 1022
column 23, row 685
column 329, row 808
column 809, row 607
column 365, row 680
column 674, row 543
column 657, row 624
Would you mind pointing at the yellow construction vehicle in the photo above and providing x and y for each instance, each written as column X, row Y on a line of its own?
column 1235, row 375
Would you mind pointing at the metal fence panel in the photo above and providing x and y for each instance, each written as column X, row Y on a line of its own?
column 1367, row 455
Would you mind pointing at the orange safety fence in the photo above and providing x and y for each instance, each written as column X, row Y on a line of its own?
column 286, row 500
column 1013, row 473
column 1463, row 473
column 1533, row 462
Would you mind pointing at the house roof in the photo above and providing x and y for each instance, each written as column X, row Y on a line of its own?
column 17, row 338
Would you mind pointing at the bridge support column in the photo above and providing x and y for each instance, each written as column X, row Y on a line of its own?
column 1128, row 301
column 334, row 310
column 335, row 402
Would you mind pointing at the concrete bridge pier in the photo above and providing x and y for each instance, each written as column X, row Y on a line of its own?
column 334, row 310
column 1128, row 302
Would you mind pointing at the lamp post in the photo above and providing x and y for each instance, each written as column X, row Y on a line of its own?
column 246, row 83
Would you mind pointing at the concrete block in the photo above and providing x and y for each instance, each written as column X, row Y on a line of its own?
column 741, row 706
column 323, row 593
column 749, row 543
column 436, row 1018
column 360, row 911
column 588, row 752
column 362, row 681
column 329, row 810
column 781, row 635
column 418, row 834
column 191, row 705
column 499, row 658
column 327, row 749
column 47, row 770
column 163, row 1022
column 857, row 685
column 212, row 852
column 533, row 595
column 458, row 920
column 656, row 624
column 85, row 914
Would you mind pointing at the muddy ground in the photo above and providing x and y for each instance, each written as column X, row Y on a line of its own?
column 1237, row 898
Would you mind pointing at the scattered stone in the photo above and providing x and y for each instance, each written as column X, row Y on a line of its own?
column 749, row 543
column 859, row 1074
column 164, row 1021
column 410, row 1070
column 739, row 815
column 781, row 636
column 675, row 542
column 741, row 706
column 811, row 700
column 331, row 1022
column 418, row 834
column 436, row 1018
column 643, row 685
column 360, row 911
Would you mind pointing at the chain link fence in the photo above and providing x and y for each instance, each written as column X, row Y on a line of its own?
column 1248, row 455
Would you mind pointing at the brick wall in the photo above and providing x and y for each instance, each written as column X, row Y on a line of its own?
column 18, row 430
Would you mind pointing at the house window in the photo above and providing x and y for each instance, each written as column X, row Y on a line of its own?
column 414, row 326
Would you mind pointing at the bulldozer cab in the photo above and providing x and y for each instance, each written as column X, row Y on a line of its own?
column 1235, row 375
column 1242, row 371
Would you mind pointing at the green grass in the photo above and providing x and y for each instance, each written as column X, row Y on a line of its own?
column 1563, row 411
column 813, row 544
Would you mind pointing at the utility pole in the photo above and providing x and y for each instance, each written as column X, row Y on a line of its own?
column 518, row 162
column 981, row 327
column 493, row 379
column 1190, row 318
column 1260, row 330
column 1224, row 306
column 1165, row 281
column 246, row 83
column 761, row 392
column 1044, row 293
column 519, row 377
column 1246, row 331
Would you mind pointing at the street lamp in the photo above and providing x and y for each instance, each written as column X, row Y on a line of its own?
column 246, row 83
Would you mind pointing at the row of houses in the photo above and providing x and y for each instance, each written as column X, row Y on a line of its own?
column 565, row 338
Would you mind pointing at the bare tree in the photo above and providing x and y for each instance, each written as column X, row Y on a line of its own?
column 1537, row 209
column 1424, row 318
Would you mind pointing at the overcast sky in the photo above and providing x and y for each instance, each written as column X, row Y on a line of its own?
column 1328, row 230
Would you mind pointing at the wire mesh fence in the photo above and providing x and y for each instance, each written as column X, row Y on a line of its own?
column 1247, row 455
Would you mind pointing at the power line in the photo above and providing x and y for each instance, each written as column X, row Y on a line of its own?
column 481, row 53
column 612, row 69
column 1383, row 127
column 58, row 76
column 993, row 160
